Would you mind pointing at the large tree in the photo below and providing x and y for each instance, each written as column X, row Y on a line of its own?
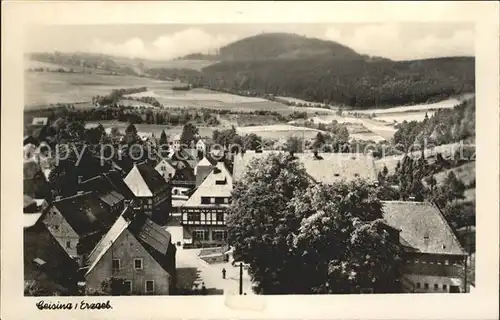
column 300, row 237
column 189, row 131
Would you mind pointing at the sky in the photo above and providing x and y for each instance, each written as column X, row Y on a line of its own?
column 402, row 41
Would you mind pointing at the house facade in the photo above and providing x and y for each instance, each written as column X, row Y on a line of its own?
column 138, row 252
column 205, row 212
column 78, row 222
column 150, row 191
column 433, row 258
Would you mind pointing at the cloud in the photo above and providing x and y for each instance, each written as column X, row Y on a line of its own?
column 166, row 47
column 388, row 41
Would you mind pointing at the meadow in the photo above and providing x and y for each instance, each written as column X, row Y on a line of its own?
column 280, row 131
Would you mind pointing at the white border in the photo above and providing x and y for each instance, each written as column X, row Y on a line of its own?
column 481, row 304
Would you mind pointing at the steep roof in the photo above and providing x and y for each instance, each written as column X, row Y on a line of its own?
column 423, row 227
column 155, row 239
column 327, row 168
column 86, row 213
column 46, row 264
column 144, row 181
column 209, row 187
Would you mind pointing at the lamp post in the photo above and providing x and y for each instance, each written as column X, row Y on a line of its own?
column 241, row 278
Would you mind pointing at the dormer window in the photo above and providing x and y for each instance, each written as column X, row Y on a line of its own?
column 336, row 174
column 221, row 181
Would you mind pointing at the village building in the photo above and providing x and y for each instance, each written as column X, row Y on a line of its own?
column 327, row 168
column 78, row 222
column 35, row 183
column 136, row 251
column 433, row 258
column 110, row 189
column 40, row 121
column 204, row 213
column 151, row 192
column 48, row 269
column 176, row 142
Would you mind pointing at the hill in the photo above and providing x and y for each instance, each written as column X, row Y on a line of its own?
column 277, row 46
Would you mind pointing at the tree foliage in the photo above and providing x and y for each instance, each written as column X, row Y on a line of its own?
column 304, row 238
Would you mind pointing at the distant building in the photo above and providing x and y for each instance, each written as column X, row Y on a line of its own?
column 165, row 169
column 433, row 260
column 176, row 142
column 137, row 251
column 48, row 270
column 40, row 121
column 201, row 146
column 35, row 183
column 151, row 192
column 326, row 168
column 204, row 213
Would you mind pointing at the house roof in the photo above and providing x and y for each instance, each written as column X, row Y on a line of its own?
column 144, row 181
column 204, row 162
column 28, row 201
column 86, row 213
column 169, row 166
column 209, row 188
column 30, row 219
column 423, row 227
column 106, row 189
column 332, row 167
column 46, row 263
column 155, row 239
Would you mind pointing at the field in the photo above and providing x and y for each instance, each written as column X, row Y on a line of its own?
column 43, row 88
column 280, row 131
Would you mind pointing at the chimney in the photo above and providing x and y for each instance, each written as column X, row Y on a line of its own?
column 58, row 198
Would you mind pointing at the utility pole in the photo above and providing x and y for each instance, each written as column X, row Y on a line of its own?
column 241, row 278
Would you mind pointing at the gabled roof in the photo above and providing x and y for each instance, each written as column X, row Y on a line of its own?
column 204, row 162
column 46, row 263
column 209, row 187
column 108, row 187
column 85, row 213
column 155, row 239
column 423, row 227
column 144, row 181
column 169, row 166
column 30, row 219
column 327, row 168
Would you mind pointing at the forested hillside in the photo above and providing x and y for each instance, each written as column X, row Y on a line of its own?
column 356, row 82
column 445, row 126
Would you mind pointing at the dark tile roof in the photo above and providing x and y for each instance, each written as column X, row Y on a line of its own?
column 46, row 264
column 423, row 227
column 144, row 180
column 86, row 213
column 154, row 238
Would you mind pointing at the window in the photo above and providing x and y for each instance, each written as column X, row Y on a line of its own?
column 199, row 235
column 219, row 216
column 68, row 244
column 150, row 286
column 416, row 261
column 194, row 216
column 445, row 287
column 219, row 235
column 138, row 264
column 436, row 286
column 446, row 262
column 226, row 200
column 150, row 201
column 418, row 285
column 212, row 200
column 426, row 285
column 128, row 285
column 116, row 264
